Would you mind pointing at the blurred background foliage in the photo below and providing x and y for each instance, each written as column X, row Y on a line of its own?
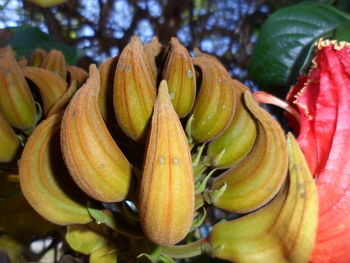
column 99, row 29
column 91, row 31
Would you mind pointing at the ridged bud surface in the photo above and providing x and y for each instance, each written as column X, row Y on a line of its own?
column 167, row 187
column 239, row 138
column 61, row 104
column 93, row 158
column 55, row 62
column 45, row 181
column 16, row 100
column 134, row 91
column 257, row 178
column 152, row 50
column 181, row 77
column 9, row 142
column 215, row 104
column 37, row 57
column 77, row 74
column 105, row 97
column 51, row 86
column 283, row 231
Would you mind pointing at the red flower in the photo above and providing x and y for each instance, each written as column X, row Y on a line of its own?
column 319, row 112
column 323, row 100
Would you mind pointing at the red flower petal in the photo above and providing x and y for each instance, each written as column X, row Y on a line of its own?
column 324, row 103
column 291, row 98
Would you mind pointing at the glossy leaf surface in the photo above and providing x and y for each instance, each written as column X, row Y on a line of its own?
column 285, row 39
column 27, row 38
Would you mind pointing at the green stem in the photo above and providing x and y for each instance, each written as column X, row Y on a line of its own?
column 197, row 158
column 188, row 131
column 185, row 251
column 200, row 186
column 198, row 170
column 199, row 201
column 210, row 196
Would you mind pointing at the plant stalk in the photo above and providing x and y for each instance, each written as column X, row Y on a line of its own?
column 185, row 251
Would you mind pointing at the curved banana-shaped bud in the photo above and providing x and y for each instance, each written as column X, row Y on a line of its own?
column 180, row 75
column 45, row 181
column 152, row 50
column 90, row 153
column 55, row 62
column 77, row 74
column 105, row 97
column 256, row 179
column 51, row 87
column 215, row 104
column 239, row 138
column 283, row 231
column 167, row 186
column 37, row 57
column 134, row 91
column 9, row 142
column 62, row 102
column 16, row 100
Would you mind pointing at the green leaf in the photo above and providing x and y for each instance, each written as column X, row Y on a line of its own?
column 85, row 238
column 27, row 38
column 285, row 39
column 103, row 217
column 166, row 259
column 328, row 2
column 199, row 219
column 152, row 257
column 343, row 32
column 116, row 222
column 105, row 254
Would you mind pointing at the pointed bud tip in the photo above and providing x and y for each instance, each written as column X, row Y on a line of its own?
column 93, row 69
column 163, row 87
column 135, row 40
column 163, row 93
column 174, row 41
